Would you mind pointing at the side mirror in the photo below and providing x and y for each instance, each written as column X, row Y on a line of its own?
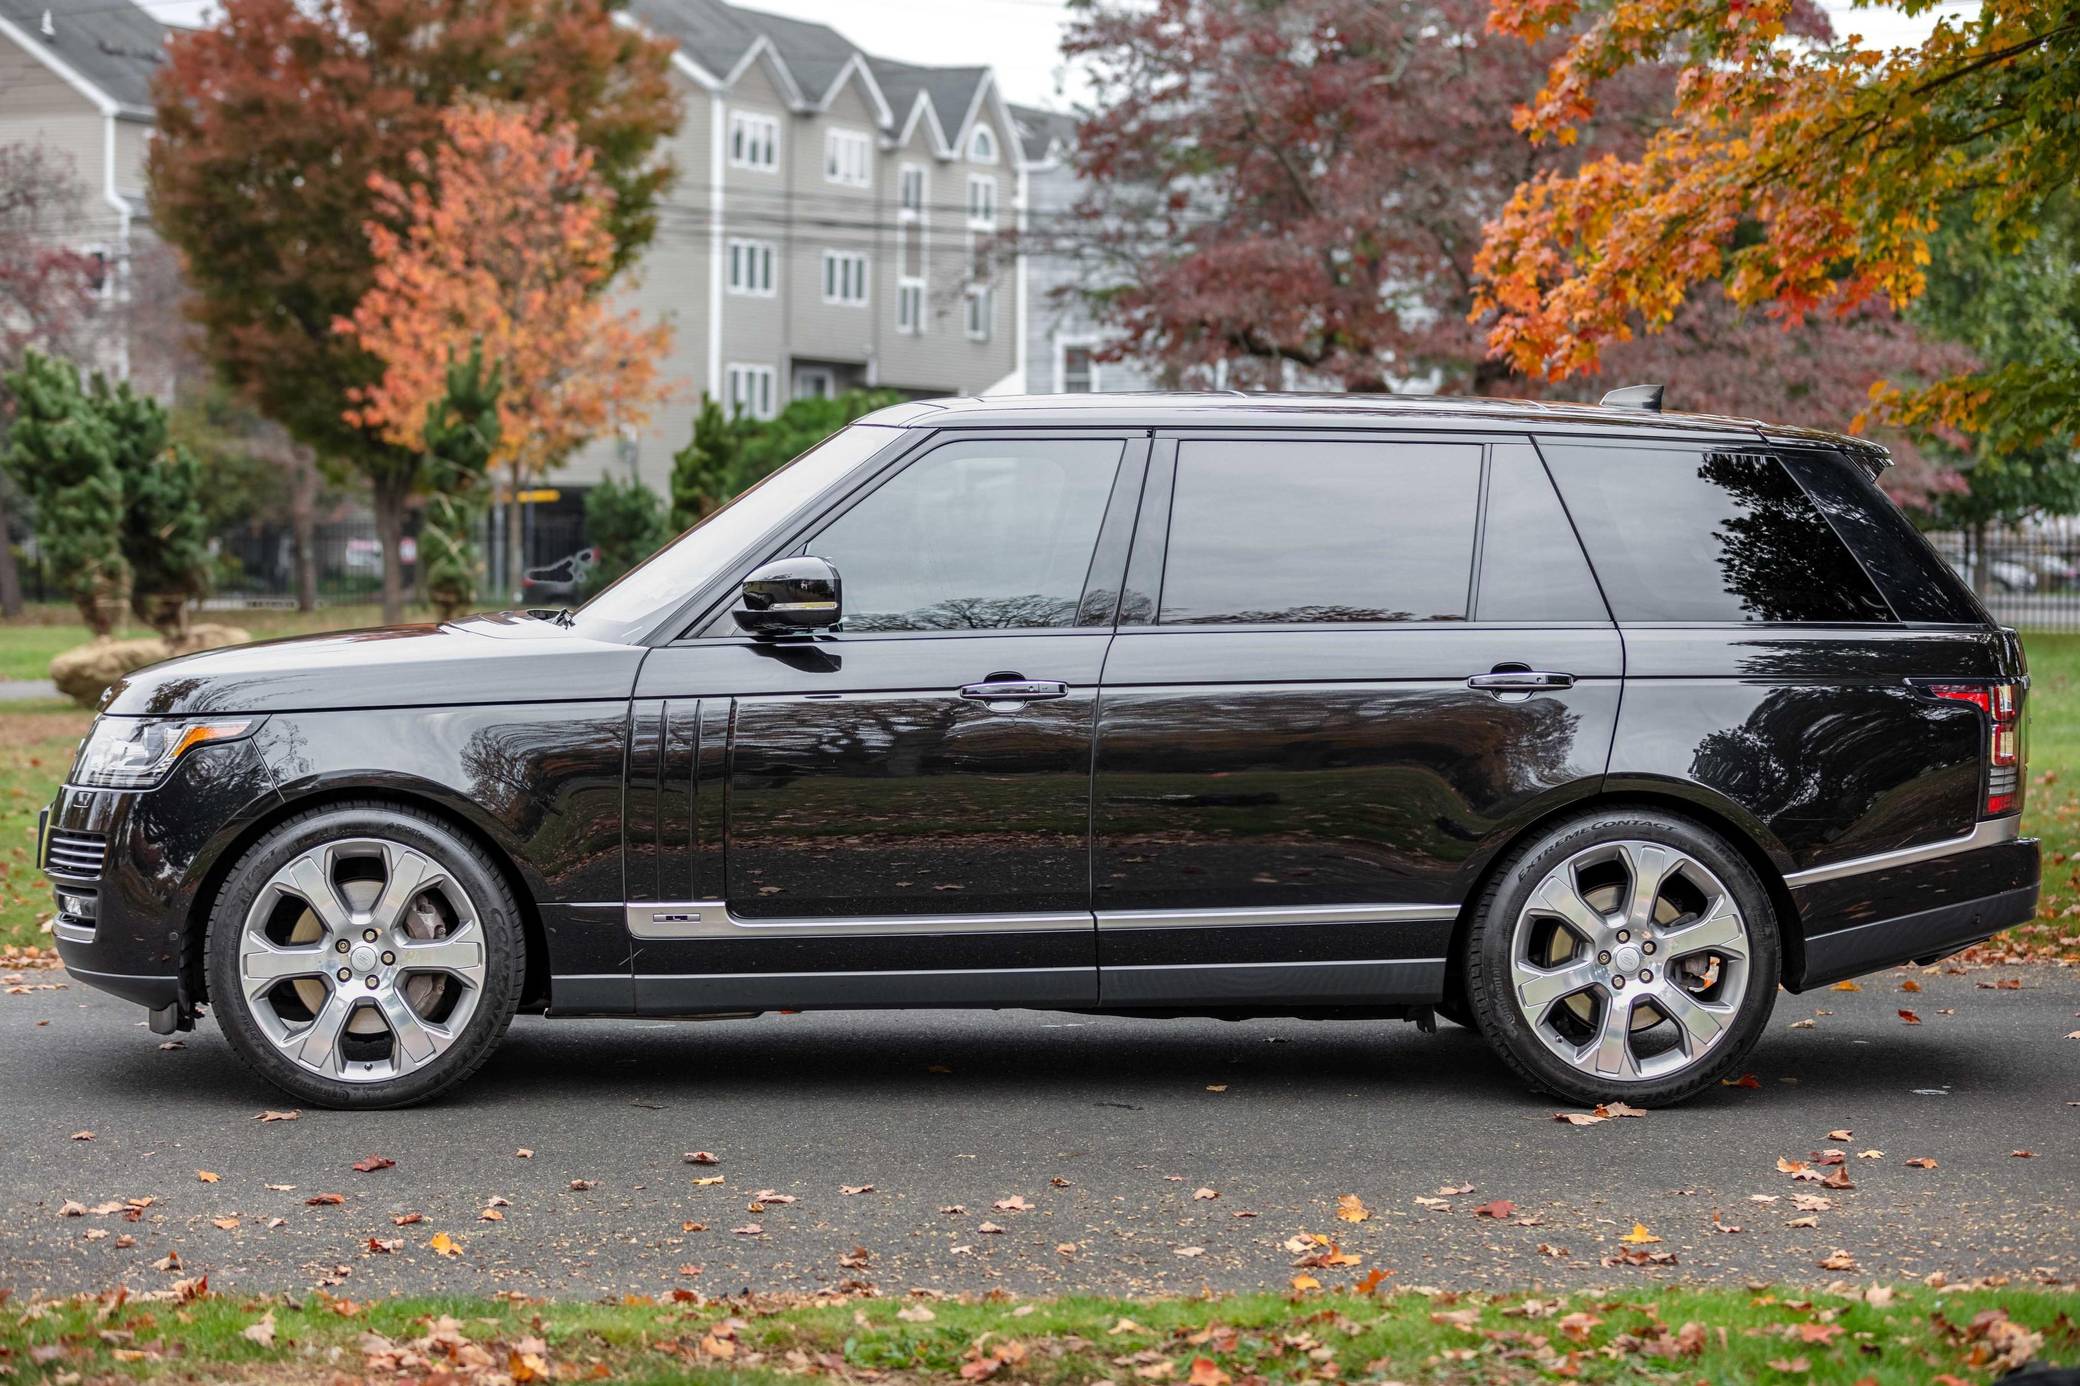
column 791, row 596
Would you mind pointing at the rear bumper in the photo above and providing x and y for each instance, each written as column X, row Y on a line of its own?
column 1915, row 912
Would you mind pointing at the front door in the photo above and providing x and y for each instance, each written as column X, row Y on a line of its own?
column 1346, row 668
column 898, row 812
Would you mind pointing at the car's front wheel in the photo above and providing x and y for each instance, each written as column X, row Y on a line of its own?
column 1627, row 955
column 365, row 955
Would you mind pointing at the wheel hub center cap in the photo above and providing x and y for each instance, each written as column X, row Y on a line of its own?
column 1626, row 959
column 364, row 958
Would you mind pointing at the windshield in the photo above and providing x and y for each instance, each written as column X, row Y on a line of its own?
column 627, row 608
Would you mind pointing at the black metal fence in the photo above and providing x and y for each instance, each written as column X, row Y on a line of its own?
column 2027, row 580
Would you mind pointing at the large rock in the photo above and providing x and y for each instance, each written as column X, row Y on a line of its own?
column 84, row 672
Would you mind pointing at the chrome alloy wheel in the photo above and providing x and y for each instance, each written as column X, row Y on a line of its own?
column 1630, row 961
column 362, row 960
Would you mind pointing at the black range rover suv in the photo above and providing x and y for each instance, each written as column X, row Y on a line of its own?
column 1589, row 727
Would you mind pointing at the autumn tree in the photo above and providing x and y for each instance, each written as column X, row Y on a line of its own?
column 1298, row 192
column 1800, row 178
column 272, row 124
column 501, row 243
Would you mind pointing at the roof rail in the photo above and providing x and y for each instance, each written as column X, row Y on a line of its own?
column 1646, row 397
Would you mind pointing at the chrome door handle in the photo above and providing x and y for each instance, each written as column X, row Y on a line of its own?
column 1015, row 690
column 1520, row 681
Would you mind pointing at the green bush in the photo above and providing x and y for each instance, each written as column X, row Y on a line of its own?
column 62, row 451
column 626, row 523
column 726, row 455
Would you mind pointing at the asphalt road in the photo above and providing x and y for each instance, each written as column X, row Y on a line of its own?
column 1107, row 1128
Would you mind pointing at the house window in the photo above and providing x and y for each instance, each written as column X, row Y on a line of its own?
column 848, row 158
column 910, row 306
column 844, row 277
column 982, row 145
column 751, row 391
column 911, row 190
column 980, row 309
column 751, row 268
column 1079, row 371
column 754, row 141
column 814, row 382
column 982, row 201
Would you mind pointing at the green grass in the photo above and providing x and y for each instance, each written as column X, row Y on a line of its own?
column 1637, row 1334
column 46, row 629
column 2051, row 802
column 37, row 741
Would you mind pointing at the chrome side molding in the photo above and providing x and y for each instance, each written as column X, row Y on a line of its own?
column 1276, row 914
column 1990, row 833
column 712, row 919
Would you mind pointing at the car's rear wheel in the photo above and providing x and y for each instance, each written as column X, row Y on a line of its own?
column 1626, row 955
column 365, row 955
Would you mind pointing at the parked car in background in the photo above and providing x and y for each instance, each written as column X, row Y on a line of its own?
column 1590, row 728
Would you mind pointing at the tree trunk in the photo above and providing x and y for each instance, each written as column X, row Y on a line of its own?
column 389, row 504
column 1982, row 567
column 303, row 525
column 10, row 578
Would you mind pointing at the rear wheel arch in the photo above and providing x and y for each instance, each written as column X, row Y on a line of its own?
column 534, row 991
column 1745, row 838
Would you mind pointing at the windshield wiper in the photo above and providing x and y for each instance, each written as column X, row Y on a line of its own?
column 563, row 616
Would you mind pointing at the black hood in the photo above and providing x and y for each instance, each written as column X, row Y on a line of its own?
column 503, row 658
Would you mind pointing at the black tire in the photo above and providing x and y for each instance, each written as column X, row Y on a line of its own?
column 1487, row 961
column 496, row 910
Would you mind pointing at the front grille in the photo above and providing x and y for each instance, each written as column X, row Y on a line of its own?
column 75, row 856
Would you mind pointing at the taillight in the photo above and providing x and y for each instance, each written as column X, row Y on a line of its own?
column 2003, row 745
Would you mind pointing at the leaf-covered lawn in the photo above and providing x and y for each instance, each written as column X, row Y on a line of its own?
column 1865, row 1334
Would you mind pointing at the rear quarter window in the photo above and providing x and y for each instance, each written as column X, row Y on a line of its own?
column 1697, row 536
column 1915, row 579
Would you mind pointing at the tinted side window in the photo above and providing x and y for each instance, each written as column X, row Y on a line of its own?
column 1919, row 584
column 1685, row 535
column 1265, row 530
column 1532, row 568
column 975, row 536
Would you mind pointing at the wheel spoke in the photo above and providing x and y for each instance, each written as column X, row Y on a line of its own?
column 1700, row 1024
column 1649, row 865
column 1612, row 1048
column 316, row 1046
column 1720, row 930
column 409, row 874
column 412, row 1041
column 1556, row 895
column 460, row 954
column 262, row 964
column 310, row 878
column 1539, row 987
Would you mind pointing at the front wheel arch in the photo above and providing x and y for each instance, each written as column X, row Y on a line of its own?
column 534, row 991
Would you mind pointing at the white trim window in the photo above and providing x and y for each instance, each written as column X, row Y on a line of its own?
column 978, row 312
column 751, row 390
column 912, row 188
column 1075, row 367
column 814, row 382
column 910, row 306
column 982, row 145
column 848, row 158
column 754, row 141
column 751, row 267
column 982, row 201
column 845, row 277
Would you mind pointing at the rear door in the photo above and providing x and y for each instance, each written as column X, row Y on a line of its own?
column 898, row 812
column 1347, row 665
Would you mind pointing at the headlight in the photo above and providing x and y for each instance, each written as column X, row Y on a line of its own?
column 136, row 752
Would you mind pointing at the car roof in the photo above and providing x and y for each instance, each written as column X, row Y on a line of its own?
column 1225, row 408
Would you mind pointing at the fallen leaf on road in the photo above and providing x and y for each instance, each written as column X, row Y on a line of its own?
column 703, row 1181
column 1838, row 1135
column 205, row 1176
column 772, row 1196
column 444, row 1245
column 1845, row 986
column 1303, row 1283
column 491, row 1215
column 1837, row 1178
column 1454, row 1190
column 1870, row 1154
column 283, row 1188
column 1216, row 1087
column 1807, row 1221
column 1351, row 1208
column 856, row 1259
column 82, row 1135
column 1910, row 1017
column 1921, row 1162
column 523, row 1153
column 749, row 1229
column 1188, row 1251
column 279, row 1116
column 2022, row 1154
column 1639, row 1235
column 1441, row 1203
column 324, row 1200
column 1811, row 1203
column 1500, row 1210
column 407, row 1219
column 1720, row 1225
column 580, row 1185
column 702, row 1157
column 989, row 1229
column 261, row 1332
column 1839, row 1261
column 384, row 1246
column 1013, row 1204
column 1372, row 1279
column 955, row 1210
column 72, row 1209
column 1548, row 1249
column 229, row 1224
column 1205, row 1195
column 1620, row 1109
column 374, row 1163
column 848, row 1190
column 1579, row 1118
column 1746, row 1080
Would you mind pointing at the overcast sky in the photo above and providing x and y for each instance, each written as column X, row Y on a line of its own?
column 1021, row 39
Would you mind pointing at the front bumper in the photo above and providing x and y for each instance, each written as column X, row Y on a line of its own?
column 1916, row 912
column 127, row 867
